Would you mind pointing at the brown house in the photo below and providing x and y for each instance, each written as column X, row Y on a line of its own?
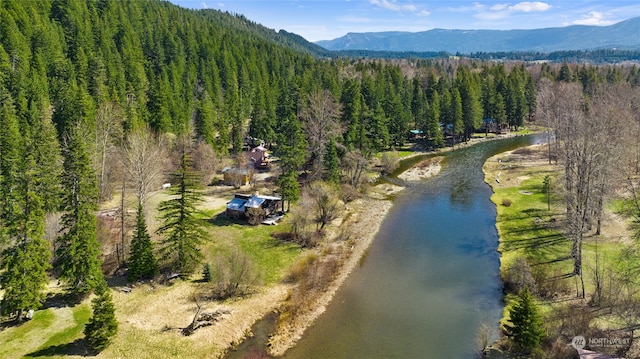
column 259, row 157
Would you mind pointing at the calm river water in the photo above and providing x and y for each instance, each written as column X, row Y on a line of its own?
column 431, row 275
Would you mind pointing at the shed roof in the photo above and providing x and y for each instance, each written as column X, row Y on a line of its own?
column 254, row 202
column 236, row 204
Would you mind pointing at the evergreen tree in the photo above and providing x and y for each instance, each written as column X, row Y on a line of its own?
column 102, row 325
column 434, row 130
column 331, row 164
column 142, row 262
column 292, row 144
column 181, row 225
column 350, row 101
column 526, row 328
column 469, row 89
column 289, row 187
column 26, row 263
column 78, row 248
column 11, row 151
column 531, row 96
column 456, row 114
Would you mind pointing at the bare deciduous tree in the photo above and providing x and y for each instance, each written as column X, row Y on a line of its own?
column 108, row 128
column 589, row 131
column 144, row 154
column 326, row 204
column 204, row 160
column 321, row 122
column 354, row 164
column 233, row 275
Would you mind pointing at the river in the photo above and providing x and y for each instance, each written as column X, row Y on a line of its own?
column 431, row 276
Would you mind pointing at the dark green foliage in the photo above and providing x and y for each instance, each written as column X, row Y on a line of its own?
column 11, row 151
column 291, row 144
column 102, row 325
column 181, row 225
column 142, row 261
column 331, row 164
column 207, row 275
column 526, row 326
column 289, row 187
column 25, row 264
column 78, row 248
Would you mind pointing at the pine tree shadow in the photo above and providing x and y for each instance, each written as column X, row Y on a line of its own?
column 78, row 347
column 61, row 300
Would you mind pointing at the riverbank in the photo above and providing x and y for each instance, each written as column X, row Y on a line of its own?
column 365, row 219
column 535, row 253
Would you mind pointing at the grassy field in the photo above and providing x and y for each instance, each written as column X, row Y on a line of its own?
column 529, row 229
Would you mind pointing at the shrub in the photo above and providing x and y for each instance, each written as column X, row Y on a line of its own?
column 518, row 276
column 506, row 202
column 550, row 282
column 389, row 161
column 232, row 276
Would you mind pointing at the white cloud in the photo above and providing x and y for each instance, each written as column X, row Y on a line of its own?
column 393, row 5
column 530, row 6
column 502, row 11
column 204, row 5
column 592, row 18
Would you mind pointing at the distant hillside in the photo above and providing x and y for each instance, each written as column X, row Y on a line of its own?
column 622, row 35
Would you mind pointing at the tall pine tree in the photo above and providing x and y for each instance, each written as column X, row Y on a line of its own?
column 26, row 262
column 181, row 225
column 78, row 248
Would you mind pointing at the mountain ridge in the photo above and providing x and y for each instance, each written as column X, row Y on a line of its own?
column 622, row 35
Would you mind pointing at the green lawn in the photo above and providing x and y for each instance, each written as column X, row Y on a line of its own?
column 52, row 333
column 528, row 229
column 271, row 256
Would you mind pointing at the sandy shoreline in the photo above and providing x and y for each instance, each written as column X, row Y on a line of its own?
column 427, row 168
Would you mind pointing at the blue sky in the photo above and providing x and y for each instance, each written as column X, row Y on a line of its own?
column 329, row 19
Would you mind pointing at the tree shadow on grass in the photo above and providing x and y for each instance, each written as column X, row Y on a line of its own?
column 78, row 347
column 62, row 300
column 222, row 220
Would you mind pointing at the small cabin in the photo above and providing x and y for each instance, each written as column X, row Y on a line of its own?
column 237, row 207
column 415, row 135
